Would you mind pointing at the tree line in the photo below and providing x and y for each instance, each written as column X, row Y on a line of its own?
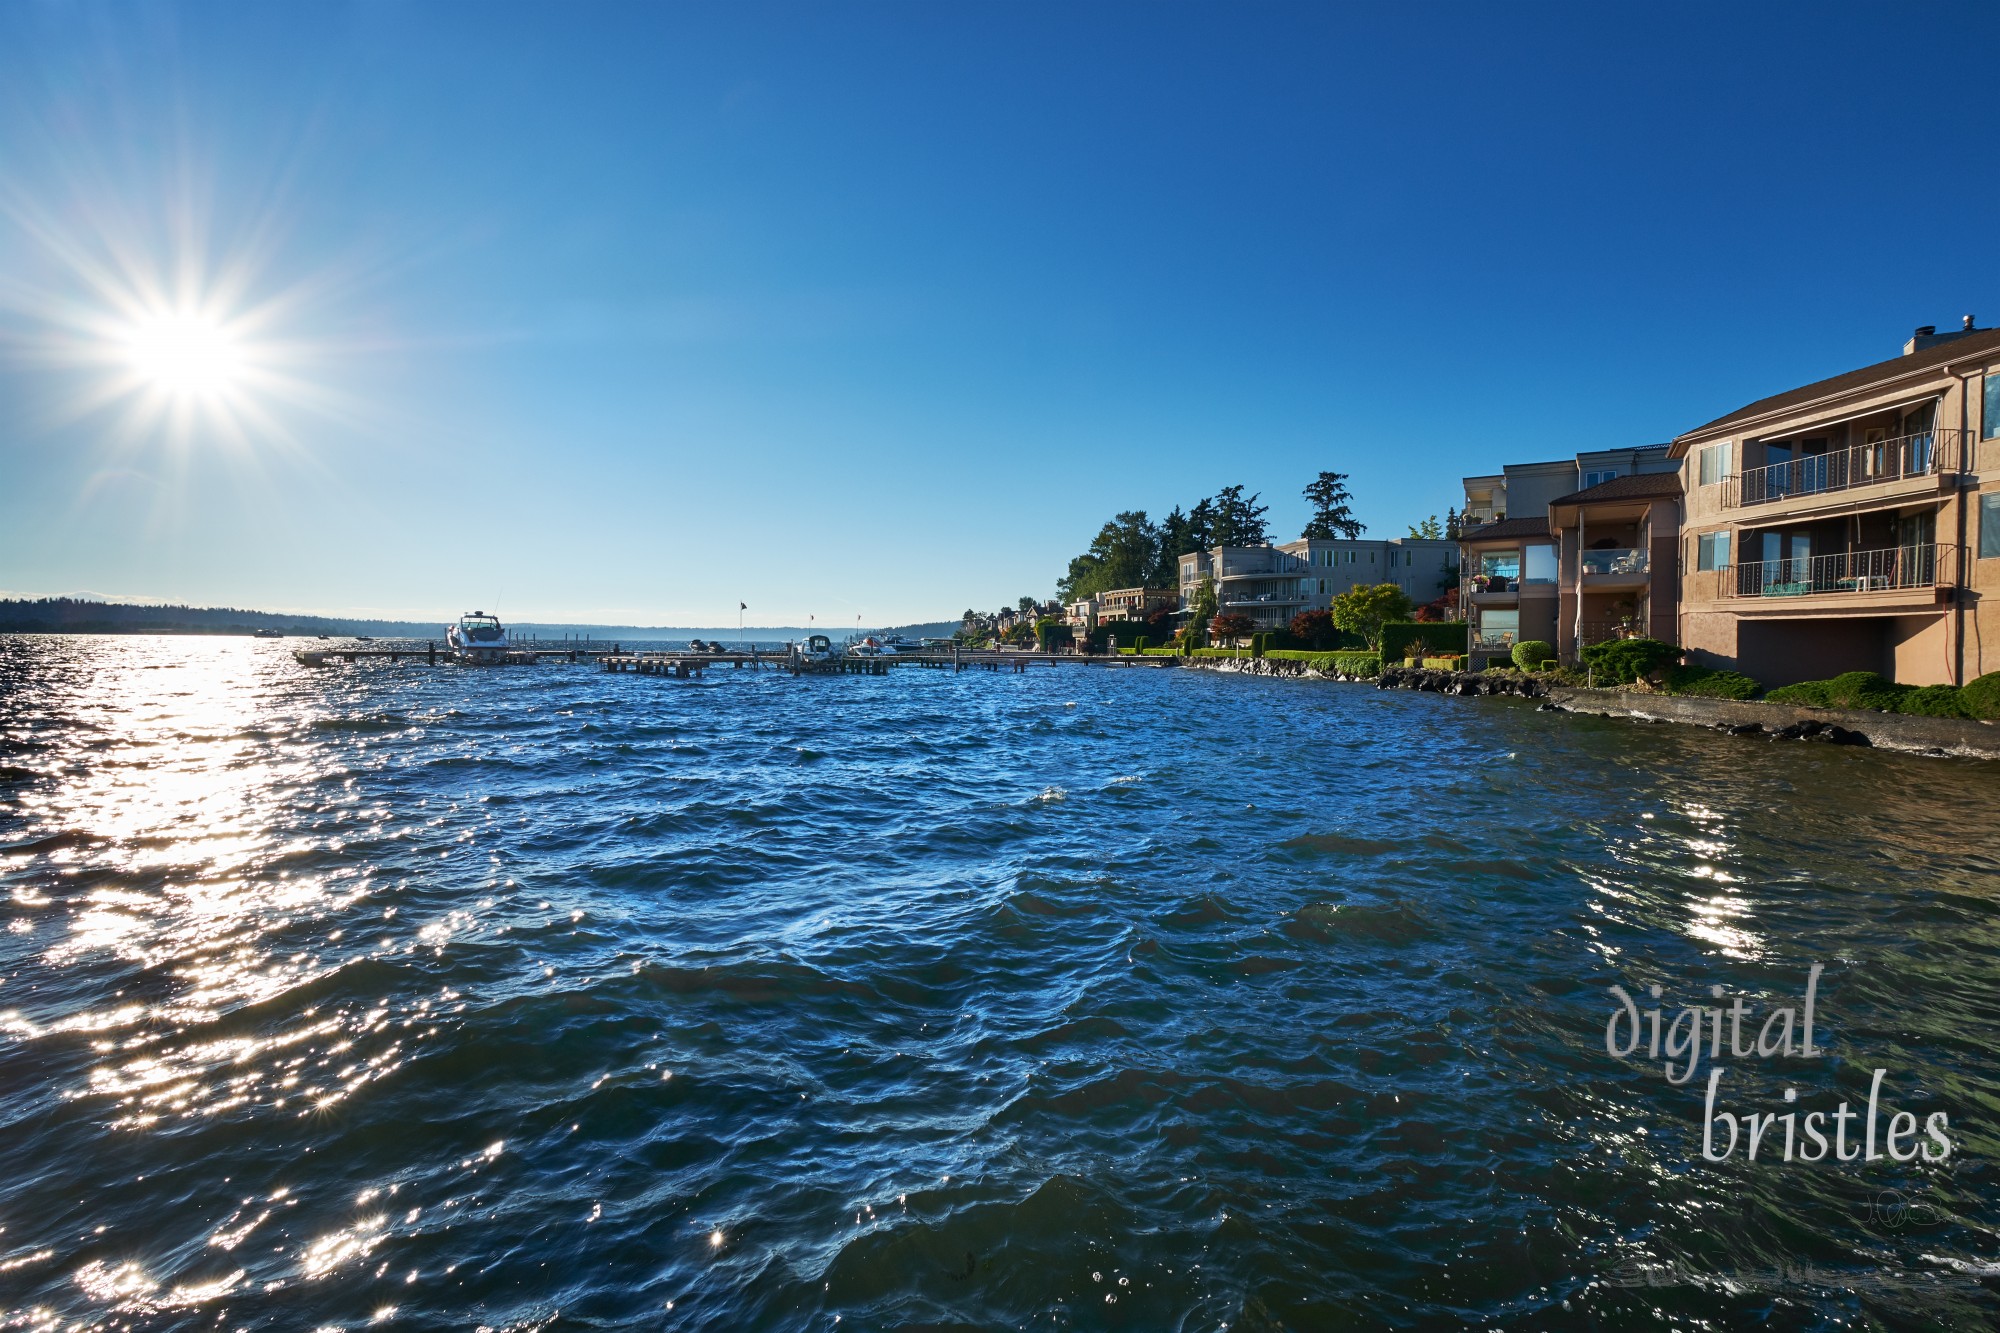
column 1132, row 551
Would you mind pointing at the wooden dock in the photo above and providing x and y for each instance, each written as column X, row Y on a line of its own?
column 684, row 665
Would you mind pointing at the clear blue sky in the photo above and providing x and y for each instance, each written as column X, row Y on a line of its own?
column 631, row 312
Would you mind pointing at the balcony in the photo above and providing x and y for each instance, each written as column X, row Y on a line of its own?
column 1908, row 457
column 1850, row 574
column 1627, row 561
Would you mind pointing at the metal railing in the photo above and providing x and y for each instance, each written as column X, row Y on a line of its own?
column 1923, row 454
column 1628, row 561
column 1486, row 641
column 1883, row 570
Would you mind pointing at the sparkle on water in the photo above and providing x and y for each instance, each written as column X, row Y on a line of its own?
column 546, row 998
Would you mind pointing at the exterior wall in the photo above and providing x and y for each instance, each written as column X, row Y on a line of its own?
column 1272, row 584
column 1920, row 635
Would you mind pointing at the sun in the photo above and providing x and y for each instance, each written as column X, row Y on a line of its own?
column 185, row 355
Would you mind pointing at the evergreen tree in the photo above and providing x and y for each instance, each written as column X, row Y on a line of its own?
column 1332, row 517
column 1454, row 524
column 1237, row 521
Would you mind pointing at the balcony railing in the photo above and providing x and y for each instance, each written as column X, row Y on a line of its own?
column 1886, row 570
column 1924, row 454
column 1614, row 562
column 1489, row 640
column 1604, row 631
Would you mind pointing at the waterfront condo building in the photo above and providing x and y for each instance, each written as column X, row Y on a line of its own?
column 1852, row 523
column 1271, row 584
column 1571, row 552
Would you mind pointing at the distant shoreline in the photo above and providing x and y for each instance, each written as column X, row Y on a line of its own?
column 69, row 615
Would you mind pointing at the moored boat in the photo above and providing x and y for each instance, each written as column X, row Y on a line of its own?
column 477, row 640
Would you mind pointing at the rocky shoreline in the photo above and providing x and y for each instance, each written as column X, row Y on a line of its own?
column 1934, row 736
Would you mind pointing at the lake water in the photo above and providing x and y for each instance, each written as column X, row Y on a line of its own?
column 540, row 998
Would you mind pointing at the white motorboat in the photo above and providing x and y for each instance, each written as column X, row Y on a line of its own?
column 816, row 648
column 871, row 647
column 477, row 640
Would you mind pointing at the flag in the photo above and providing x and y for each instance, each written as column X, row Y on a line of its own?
column 743, row 606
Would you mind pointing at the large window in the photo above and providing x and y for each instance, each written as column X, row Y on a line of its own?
column 1598, row 478
column 1712, row 551
column 1500, row 564
column 1989, row 523
column 1714, row 464
column 1538, row 564
column 1989, row 421
column 1499, row 629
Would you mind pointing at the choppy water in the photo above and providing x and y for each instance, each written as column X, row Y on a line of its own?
column 541, row 998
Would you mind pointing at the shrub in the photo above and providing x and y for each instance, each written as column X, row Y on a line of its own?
column 1531, row 653
column 1446, row 662
column 1399, row 638
column 1981, row 697
column 1316, row 630
column 1365, row 665
column 1708, row 683
column 1934, row 701
column 1231, row 626
column 1625, row 661
column 1258, row 643
column 1810, row 693
column 1850, row 689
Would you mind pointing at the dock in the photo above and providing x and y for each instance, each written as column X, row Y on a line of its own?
column 684, row 665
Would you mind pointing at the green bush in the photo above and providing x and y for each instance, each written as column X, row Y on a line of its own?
column 1367, row 665
column 1439, row 636
column 1708, row 683
column 1982, row 697
column 1850, row 689
column 1531, row 653
column 1258, row 643
column 1446, row 662
column 1934, row 701
column 1624, row 661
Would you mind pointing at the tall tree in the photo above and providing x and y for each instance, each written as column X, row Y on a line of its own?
column 1332, row 516
column 1430, row 530
column 1176, row 540
column 1237, row 521
column 1454, row 524
column 1122, row 555
column 1364, row 609
column 1026, row 605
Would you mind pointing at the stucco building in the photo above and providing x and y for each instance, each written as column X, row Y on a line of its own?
column 1852, row 523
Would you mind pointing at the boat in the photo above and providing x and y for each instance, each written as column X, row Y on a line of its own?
column 266, row 634
column 477, row 640
column 816, row 648
column 871, row 647
column 308, row 657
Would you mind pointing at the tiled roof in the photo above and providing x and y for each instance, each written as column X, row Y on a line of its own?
column 1882, row 372
column 1637, row 486
column 1507, row 527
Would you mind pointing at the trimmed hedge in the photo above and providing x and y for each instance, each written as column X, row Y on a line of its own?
column 1934, row 701
column 1982, row 697
column 1708, row 683
column 1531, row 653
column 1850, row 689
column 1442, row 636
column 1446, row 662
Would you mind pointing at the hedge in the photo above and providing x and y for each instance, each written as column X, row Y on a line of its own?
column 1446, row 662
column 1982, row 697
column 1850, row 689
column 1440, row 635
column 1708, row 683
column 1934, row 701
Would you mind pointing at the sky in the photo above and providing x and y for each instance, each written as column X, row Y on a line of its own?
column 632, row 312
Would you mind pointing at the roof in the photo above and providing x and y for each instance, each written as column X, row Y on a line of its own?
column 1507, row 527
column 1882, row 372
column 1636, row 486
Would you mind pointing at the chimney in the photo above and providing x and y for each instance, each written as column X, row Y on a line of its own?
column 1928, row 336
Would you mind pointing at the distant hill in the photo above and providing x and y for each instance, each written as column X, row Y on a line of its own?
column 80, row 615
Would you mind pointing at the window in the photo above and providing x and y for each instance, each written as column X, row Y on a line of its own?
column 1989, row 421
column 1409, row 558
column 1989, row 524
column 1712, row 551
column 1598, row 478
column 1715, row 462
column 1538, row 564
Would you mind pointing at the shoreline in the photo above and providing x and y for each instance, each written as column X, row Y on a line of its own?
column 1931, row 737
